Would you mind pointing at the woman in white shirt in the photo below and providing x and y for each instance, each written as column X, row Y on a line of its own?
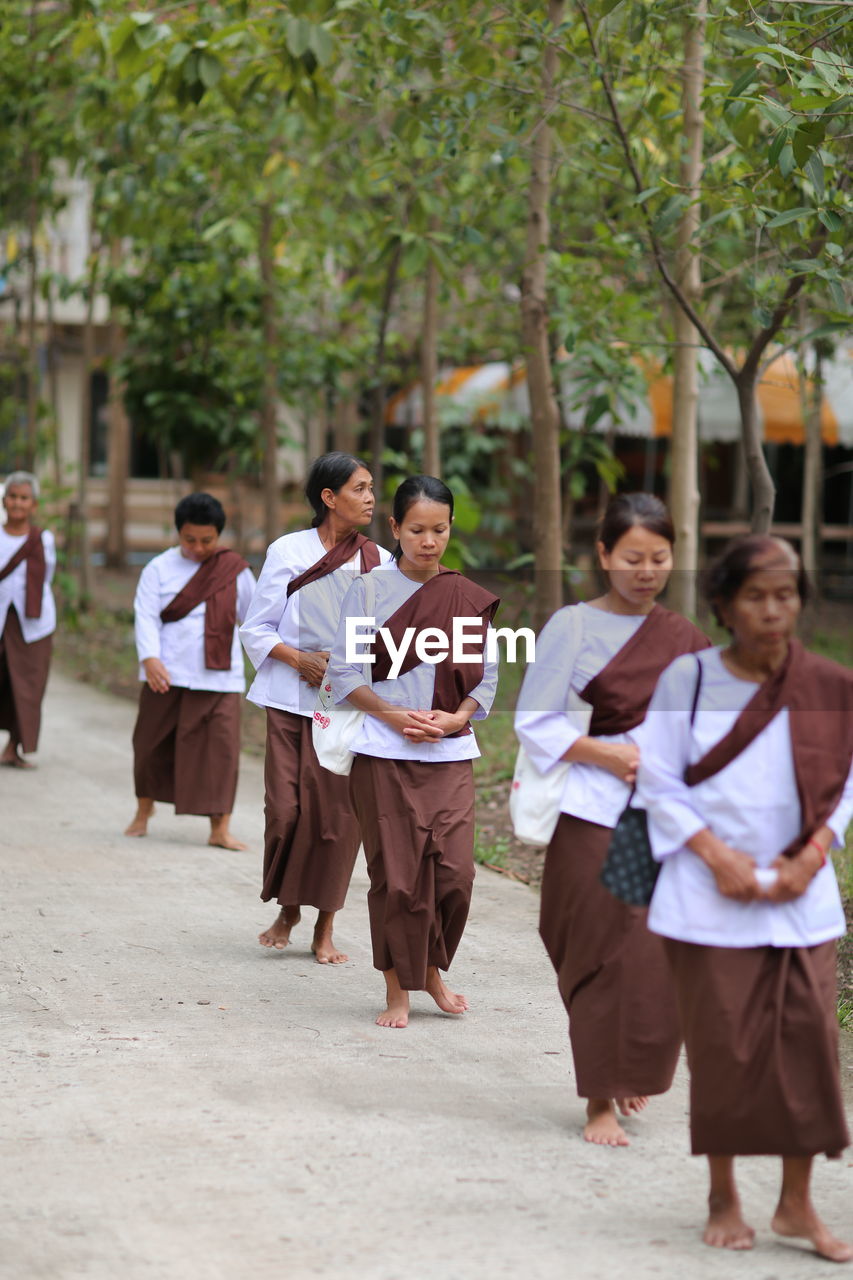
column 412, row 779
column 744, row 805
column 186, row 743
column 611, row 972
column 311, row 838
column 27, row 617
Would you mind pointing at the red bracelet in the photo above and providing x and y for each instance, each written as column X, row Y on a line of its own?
column 811, row 840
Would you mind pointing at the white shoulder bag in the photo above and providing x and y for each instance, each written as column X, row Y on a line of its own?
column 335, row 725
column 535, row 798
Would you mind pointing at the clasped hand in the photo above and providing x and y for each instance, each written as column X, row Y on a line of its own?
column 423, row 726
column 734, row 873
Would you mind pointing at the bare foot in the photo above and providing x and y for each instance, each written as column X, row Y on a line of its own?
column 802, row 1222
column 602, row 1127
column 397, row 1012
column 278, row 934
column 227, row 842
column 221, row 837
column 725, row 1228
column 632, row 1106
column 325, row 950
column 14, row 761
column 139, row 826
column 448, row 1001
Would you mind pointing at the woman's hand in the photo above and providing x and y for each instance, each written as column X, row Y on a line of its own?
column 414, row 726
column 156, row 675
column 733, row 871
column 432, row 725
column 622, row 759
column 311, row 667
column 794, row 875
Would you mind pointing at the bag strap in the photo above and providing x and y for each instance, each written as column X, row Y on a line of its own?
column 697, row 690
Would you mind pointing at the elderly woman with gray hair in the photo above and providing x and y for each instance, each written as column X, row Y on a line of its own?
column 27, row 617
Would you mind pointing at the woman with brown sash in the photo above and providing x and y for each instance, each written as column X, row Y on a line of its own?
column 611, row 972
column 744, row 806
column 412, row 780
column 186, row 743
column 311, row 837
column 27, row 617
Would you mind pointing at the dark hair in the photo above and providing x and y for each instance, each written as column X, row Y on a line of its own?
column 625, row 510
column 748, row 554
column 200, row 508
column 413, row 490
column 329, row 471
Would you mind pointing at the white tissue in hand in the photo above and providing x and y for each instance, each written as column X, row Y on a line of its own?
column 766, row 877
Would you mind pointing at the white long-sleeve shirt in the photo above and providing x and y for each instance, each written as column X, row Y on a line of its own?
column 180, row 645
column 573, row 647
column 415, row 689
column 13, row 589
column 751, row 804
column 307, row 620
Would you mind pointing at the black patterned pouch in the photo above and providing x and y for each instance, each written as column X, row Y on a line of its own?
column 630, row 871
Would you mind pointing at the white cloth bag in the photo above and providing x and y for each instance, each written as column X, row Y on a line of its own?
column 334, row 726
column 535, row 798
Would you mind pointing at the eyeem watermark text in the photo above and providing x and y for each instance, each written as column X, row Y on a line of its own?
column 433, row 645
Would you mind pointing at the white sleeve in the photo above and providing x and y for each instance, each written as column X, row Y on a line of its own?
column 146, row 614
column 665, row 754
column 245, row 591
column 543, row 725
column 484, row 693
column 263, row 615
column 346, row 676
column 839, row 820
column 49, row 544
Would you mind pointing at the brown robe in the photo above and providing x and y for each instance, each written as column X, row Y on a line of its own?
column 417, row 824
column 417, row 817
column 32, row 550
column 186, row 749
column 311, row 835
column 215, row 584
column 760, row 1025
column 611, row 971
column 23, row 679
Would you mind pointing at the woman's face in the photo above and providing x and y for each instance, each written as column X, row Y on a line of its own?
column 764, row 612
column 638, row 566
column 198, row 541
column 354, row 501
column 423, row 534
column 19, row 502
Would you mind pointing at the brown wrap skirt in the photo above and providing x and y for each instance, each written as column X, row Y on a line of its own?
column 186, row 749
column 761, row 1032
column 23, row 679
column 312, row 837
column 611, row 972
column 417, row 823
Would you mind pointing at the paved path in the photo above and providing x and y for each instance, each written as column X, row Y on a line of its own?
column 177, row 1102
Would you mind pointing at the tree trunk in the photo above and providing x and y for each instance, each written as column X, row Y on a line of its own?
column 811, row 399
column 761, row 481
column 118, row 441
column 84, row 458
column 269, row 403
column 429, row 370
column 684, row 480
column 377, row 392
column 53, row 391
column 544, row 414
column 32, row 343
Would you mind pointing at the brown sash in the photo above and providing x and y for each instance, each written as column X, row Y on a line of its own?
column 31, row 550
column 340, row 553
column 215, row 585
column 621, row 692
column 819, row 697
column 442, row 598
